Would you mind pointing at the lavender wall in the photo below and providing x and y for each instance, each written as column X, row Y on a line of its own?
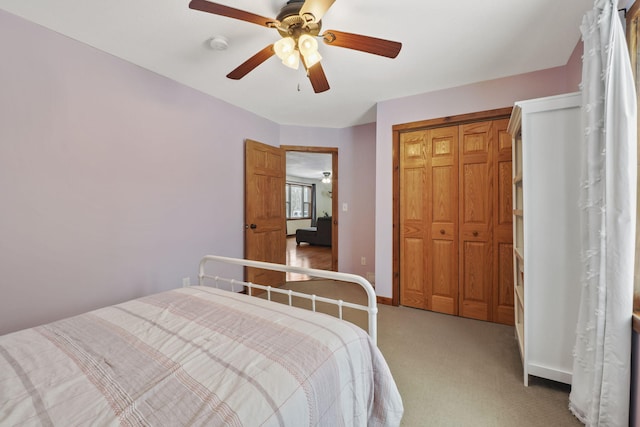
column 460, row 100
column 574, row 68
column 114, row 181
column 359, row 192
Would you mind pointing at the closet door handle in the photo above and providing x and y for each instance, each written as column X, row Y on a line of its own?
column 442, row 231
column 475, row 234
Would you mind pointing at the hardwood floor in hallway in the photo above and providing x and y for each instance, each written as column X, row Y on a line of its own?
column 305, row 255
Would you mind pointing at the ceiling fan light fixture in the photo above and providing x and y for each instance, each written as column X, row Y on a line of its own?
column 298, row 23
column 326, row 178
column 284, row 47
column 292, row 60
column 312, row 59
column 307, row 45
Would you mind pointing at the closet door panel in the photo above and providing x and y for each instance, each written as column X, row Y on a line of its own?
column 504, row 199
column 475, row 204
column 413, row 220
column 476, row 294
column 413, row 294
column 476, row 224
column 443, row 296
column 442, row 193
column 503, row 297
column 442, row 185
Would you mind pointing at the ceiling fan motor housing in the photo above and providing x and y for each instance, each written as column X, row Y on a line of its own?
column 292, row 24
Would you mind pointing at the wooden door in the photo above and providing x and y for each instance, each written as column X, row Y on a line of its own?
column 413, row 221
column 476, row 220
column 265, row 226
column 428, row 219
column 503, row 300
column 442, row 253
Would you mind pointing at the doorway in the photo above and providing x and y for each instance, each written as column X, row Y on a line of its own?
column 309, row 165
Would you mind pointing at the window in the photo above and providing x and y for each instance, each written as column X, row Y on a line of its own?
column 298, row 203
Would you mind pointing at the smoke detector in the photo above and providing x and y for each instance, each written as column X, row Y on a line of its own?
column 219, row 43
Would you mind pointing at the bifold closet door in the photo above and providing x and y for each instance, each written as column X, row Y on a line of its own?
column 413, row 220
column 442, row 249
column 486, row 263
column 429, row 219
column 456, row 220
column 476, row 220
column 503, row 301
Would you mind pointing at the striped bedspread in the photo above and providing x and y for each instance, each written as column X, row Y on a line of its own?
column 196, row 356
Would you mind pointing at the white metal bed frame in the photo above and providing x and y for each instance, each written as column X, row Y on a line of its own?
column 371, row 308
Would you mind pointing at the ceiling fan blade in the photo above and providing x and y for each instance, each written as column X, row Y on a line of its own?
column 230, row 12
column 318, row 78
column 314, row 10
column 381, row 47
column 251, row 63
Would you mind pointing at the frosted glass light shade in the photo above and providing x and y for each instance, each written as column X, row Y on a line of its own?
column 284, row 47
column 292, row 60
column 307, row 45
column 312, row 59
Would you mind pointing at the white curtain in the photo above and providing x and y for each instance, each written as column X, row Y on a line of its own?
column 602, row 354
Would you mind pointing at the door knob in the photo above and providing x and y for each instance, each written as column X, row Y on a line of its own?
column 475, row 234
column 442, row 231
column 253, row 226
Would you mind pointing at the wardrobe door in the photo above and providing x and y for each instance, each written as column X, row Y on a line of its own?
column 503, row 296
column 413, row 219
column 442, row 205
column 476, row 220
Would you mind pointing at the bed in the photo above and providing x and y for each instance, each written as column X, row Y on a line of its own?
column 200, row 355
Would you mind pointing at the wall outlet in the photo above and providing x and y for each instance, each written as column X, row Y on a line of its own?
column 363, row 261
column 186, row 281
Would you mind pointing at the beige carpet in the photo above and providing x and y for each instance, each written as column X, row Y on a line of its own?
column 453, row 371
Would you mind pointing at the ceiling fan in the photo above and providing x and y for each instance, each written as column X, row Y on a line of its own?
column 299, row 23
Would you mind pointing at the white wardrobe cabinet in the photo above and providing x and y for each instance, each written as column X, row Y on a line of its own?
column 547, row 138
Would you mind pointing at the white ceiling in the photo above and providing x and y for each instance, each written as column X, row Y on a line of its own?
column 308, row 165
column 445, row 44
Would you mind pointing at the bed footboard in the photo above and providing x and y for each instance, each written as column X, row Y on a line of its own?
column 371, row 308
